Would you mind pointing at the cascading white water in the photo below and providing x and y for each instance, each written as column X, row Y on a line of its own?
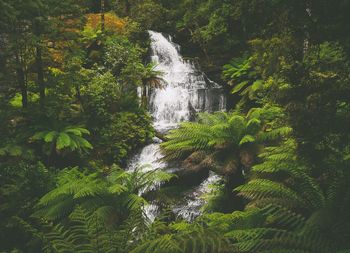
column 194, row 200
column 186, row 87
column 186, row 91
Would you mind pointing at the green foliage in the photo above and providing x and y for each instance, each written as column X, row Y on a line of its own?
column 13, row 150
column 68, row 138
column 209, row 23
column 294, row 188
column 296, row 57
column 224, row 142
column 101, row 97
column 124, row 133
column 149, row 14
column 49, row 89
column 289, row 211
column 237, row 68
column 305, row 216
column 111, row 105
column 309, row 86
column 193, row 238
column 240, row 74
column 151, row 79
column 110, row 196
column 85, row 232
column 22, row 184
column 123, row 59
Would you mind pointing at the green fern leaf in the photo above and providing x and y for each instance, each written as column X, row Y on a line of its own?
column 246, row 139
column 49, row 137
column 63, row 141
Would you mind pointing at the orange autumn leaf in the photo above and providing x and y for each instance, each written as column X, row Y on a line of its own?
column 112, row 22
column 56, row 55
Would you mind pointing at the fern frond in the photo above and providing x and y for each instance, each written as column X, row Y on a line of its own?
column 263, row 188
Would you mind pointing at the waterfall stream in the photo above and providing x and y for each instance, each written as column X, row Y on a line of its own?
column 187, row 91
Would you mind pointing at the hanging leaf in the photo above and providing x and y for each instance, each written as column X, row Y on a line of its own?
column 50, row 136
column 253, row 126
column 239, row 87
column 63, row 141
column 247, row 138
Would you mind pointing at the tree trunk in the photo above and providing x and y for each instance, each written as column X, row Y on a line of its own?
column 232, row 201
column 127, row 7
column 306, row 42
column 144, row 96
column 40, row 73
column 21, row 82
column 78, row 94
column 102, row 16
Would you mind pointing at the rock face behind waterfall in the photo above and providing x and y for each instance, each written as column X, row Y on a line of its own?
column 187, row 91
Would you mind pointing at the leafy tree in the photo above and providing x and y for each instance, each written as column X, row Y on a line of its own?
column 117, row 122
column 126, row 132
column 69, row 137
column 149, row 13
column 101, row 97
column 19, row 52
column 123, row 59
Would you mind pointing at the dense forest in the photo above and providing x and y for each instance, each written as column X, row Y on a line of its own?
column 76, row 105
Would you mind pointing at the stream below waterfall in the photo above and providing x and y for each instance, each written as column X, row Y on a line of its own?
column 187, row 91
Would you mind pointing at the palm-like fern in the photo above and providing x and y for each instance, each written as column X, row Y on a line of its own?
column 110, row 196
column 224, row 142
column 184, row 238
column 289, row 212
column 304, row 217
column 85, row 232
column 209, row 233
column 283, row 180
column 151, row 78
column 70, row 137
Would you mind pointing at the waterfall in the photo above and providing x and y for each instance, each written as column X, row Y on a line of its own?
column 187, row 91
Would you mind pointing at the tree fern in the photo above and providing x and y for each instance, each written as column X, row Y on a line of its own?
column 225, row 137
column 304, row 216
column 84, row 233
column 70, row 137
column 151, row 78
column 283, row 179
column 289, row 211
column 109, row 196
column 193, row 239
